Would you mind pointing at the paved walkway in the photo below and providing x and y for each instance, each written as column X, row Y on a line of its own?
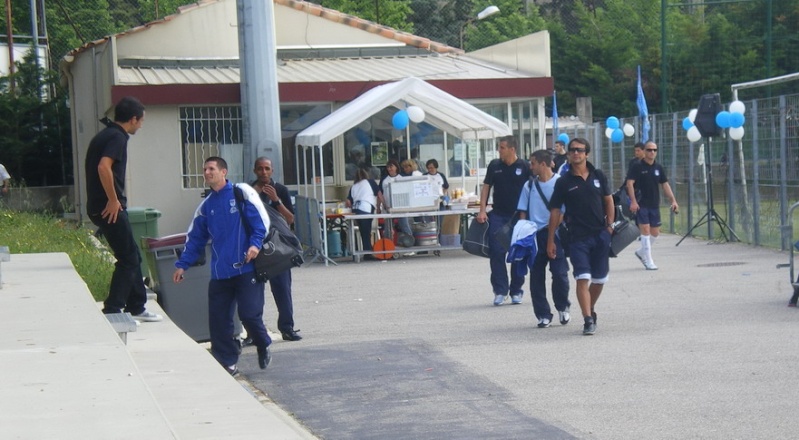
column 703, row 348
column 68, row 375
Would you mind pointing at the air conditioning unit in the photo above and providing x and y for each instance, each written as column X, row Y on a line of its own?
column 412, row 194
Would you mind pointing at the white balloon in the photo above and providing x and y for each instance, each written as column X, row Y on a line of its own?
column 415, row 114
column 693, row 134
column 737, row 133
column 629, row 130
column 737, row 107
column 692, row 114
column 608, row 132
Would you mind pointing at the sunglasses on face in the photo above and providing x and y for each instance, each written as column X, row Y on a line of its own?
column 651, row 150
column 576, row 150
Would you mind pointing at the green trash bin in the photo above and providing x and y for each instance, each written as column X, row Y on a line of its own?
column 144, row 222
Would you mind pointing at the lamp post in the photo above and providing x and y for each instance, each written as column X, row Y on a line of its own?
column 485, row 13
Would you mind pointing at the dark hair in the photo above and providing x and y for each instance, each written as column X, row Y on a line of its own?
column 541, row 156
column 582, row 142
column 510, row 140
column 638, row 146
column 361, row 174
column 128, row 108
column 431, row 162
column 393, row 162
column 560, row 142
column 221, row 163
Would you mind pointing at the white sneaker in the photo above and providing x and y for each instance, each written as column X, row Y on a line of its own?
column 564, row 316
column 640, row 257
column 516, row 299
column 499, row 299
column 650, row 265
column 147, row 316
column 544, row 323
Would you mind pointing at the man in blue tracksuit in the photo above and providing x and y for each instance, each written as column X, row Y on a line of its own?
column 219, row 219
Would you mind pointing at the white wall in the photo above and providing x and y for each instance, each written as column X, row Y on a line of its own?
column 154, row 172
column 209, row 31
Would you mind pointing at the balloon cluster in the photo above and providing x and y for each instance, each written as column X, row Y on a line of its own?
column 401, row 119
column 733, row 120
column 615, row 132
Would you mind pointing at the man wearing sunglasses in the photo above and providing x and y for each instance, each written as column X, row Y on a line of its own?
column 645, row 177
column 589, row 214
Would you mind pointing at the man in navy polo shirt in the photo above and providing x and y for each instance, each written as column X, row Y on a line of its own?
column 646, row 176
column 586, row 195
column 506, row 175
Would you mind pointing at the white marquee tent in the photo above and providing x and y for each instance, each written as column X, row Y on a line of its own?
column 442, row 110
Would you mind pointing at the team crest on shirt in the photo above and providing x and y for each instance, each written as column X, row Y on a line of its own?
column 657, row 173
column 596, row 183
column 232, row 206
column 518, row 171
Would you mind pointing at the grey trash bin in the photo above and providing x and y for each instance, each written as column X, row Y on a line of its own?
column 186, row 303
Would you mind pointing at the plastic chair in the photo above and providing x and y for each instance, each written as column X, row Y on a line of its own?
column 357, row 235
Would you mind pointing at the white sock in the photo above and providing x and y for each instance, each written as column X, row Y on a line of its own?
column 652, row 240
column 646, row 246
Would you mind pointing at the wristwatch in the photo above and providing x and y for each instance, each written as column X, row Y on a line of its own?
column 275, row 203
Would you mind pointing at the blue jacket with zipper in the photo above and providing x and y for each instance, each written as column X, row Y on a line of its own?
column 219, row 219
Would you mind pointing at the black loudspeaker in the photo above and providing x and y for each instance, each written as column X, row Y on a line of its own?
column 705, row 120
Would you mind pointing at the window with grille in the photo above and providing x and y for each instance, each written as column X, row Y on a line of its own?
column 210, row 131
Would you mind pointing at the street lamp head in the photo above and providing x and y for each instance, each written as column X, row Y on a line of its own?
column 487, row 12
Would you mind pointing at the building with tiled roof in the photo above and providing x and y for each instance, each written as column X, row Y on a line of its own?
column 185, row 68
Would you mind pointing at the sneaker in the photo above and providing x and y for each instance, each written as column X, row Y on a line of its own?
column 148, row 317
column 640, row 257
column 499, row 299
column 590, row 326
column 232, row 370
column 593, row 315
column 544, row 323
column 650, row 265
column 564, row 316
column 516, row 299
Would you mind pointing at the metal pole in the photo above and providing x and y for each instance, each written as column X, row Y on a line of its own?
column 260, row 103
column 10, row 38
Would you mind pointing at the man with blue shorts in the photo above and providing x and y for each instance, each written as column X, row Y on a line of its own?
column 589, row 214
column 644, row 177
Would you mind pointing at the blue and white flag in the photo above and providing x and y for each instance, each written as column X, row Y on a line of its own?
column 643, row 112
column 554, row 118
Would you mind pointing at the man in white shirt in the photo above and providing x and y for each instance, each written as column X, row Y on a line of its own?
column 534, row 205
column 5, row 179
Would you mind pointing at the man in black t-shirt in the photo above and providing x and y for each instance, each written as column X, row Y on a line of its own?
column 507, row 176
column 106, row 204
column 585, row 192
column 277, row 196
column 646, row 177
column 560, row 156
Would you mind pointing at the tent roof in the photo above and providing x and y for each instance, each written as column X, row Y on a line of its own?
column 442, row 110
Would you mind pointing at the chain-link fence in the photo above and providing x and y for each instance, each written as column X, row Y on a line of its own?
column 754, row 182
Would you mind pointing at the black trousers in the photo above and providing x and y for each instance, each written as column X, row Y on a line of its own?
column 127, row 292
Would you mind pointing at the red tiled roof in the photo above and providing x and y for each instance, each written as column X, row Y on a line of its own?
column 308, row 8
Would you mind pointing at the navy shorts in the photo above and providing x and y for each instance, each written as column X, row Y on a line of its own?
column 591, row 256
column 648, row 216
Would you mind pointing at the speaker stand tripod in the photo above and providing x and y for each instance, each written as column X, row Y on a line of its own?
column 711, row 215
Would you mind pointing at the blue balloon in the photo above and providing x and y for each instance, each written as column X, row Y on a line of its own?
column 737, row 120
column 613, row 122
column 563, row 137
column 617, row 135
column 687, row 124
column 400, row 120
column 723, row 119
